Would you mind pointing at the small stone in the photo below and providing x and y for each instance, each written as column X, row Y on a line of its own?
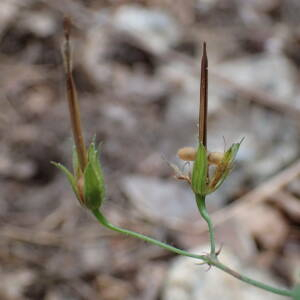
column 13, row 283
column 269, row 229
column 8, row 11
column 155, row 29
column 159, row 199
column 119, row 116
column 40, row 23
column 271, row 73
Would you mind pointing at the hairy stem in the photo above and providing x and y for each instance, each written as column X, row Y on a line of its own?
column 210, row 260
column 145, row 238
column 203, row 211
column 213, row 260
column 266, row 287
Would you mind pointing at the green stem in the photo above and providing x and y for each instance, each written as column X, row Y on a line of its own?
column 145, row 238
column 210, row 260
column 203, row 211
column 283, row 292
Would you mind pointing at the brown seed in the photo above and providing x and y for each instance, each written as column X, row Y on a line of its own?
column 215, row 158
column 187, row 153
column 80, row 187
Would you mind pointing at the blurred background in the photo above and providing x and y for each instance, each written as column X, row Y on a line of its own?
column 137, row 66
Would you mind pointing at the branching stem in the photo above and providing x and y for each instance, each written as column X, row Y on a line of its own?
column 145, row 238
column 210, row 260
column 263, row 286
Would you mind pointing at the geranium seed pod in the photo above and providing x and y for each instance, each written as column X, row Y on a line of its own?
column 187, row 153
column 88, row 186
column 215, row 158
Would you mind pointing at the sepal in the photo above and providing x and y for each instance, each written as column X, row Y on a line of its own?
column 88, row 185
column 200, row 171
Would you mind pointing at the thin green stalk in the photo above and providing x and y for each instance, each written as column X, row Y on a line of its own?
column 205, row 258
column 283, row 292
column 203, row 211
column 145, row 238
column 215, row 262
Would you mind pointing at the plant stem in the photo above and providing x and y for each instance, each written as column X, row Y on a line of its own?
column 203, row 211
column 213, row 260
column 283, row 292
column 145, row 238
column 210, row 260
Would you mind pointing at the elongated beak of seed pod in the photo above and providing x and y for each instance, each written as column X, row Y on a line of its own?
column 87, row 179
column 201, row 182
column 200, row 168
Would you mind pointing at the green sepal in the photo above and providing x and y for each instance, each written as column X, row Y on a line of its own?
column 70, row 178
column 200, row 171
column 224, row 168
column 94, row 190
column 93, row 157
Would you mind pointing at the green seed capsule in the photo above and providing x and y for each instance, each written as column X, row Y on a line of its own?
column 88, row 187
